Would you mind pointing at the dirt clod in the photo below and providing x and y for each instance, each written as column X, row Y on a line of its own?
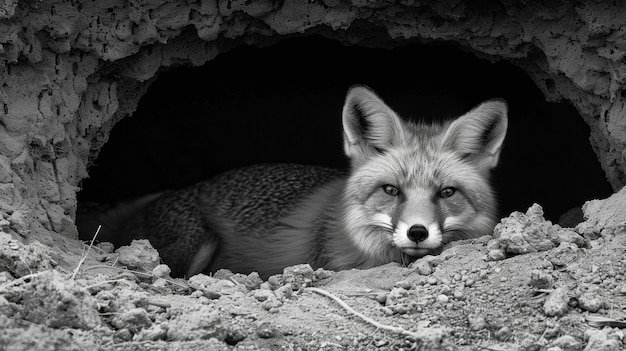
column 139, row 255
column 556, row 303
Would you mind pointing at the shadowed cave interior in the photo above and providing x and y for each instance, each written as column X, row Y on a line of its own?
column 282, row 103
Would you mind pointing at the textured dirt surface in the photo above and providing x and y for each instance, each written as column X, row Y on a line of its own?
column 71, row 70
column 533, row 286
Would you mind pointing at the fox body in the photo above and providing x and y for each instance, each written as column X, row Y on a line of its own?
column 411, row 188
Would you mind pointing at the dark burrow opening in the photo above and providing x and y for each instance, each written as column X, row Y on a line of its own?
column 283, row 103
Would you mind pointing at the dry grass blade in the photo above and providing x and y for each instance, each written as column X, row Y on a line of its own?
column 600, row 321
column 84, row 257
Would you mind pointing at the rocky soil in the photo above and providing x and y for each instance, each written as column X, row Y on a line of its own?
column 533, row 286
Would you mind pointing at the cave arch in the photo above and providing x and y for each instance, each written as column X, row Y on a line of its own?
column 282, row 103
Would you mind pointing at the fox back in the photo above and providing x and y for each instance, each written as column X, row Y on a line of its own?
column 411, row 188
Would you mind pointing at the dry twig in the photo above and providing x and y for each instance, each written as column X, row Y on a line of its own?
column 397, row 330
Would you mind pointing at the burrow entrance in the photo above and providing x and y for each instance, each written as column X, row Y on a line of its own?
column 283, row 103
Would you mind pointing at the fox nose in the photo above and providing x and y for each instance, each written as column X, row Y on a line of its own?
column 418, row 233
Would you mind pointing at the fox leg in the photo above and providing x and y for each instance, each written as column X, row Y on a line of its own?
column 174, row 225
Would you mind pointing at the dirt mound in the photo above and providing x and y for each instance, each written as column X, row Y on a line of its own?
column 533, row 286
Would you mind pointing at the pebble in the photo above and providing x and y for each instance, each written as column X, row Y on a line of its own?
column 387, row 311
column 540, row 279
column 266, row 331
column 263, row 295
column 399, row 309
column 298, row 276
column 381, row 343
column 283, row 293
column 422, row 267
column 321, row 273
column 503, row 333
column 567, row 342
column 477, row 322
column 138, row 255
column 590, row 301
column 382, row 297
column 556, row 303
column 405, row 284
column 445, row 289
column 271, row 303
column 443, row 298
column 496, row 255
column 252, row 281
column 106, row 247
column 161, row 271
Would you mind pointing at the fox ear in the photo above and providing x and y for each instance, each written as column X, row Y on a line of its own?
column 478, row 134
column 370, row 127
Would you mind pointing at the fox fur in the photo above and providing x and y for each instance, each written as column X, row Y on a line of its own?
column 411, row 188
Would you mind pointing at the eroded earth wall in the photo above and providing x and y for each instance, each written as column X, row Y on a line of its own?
column 71, row 69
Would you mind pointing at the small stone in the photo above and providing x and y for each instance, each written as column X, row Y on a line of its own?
column 380, row 343
column 556, row 303
column 422, row 267
column 283, row 293
column 266, row 331
column 138, row 255
column 275, row 281
column 133, row 320
column 298, row 276
column 234, row 336
column 395, row 296
column 106, row 247
column 540, row 279
column 387, row 311
column 252, row 281
column 405, row 284
column 271, row 303
column 122, row 335
column 399, row 309
column 477, row 322
column 321, row 273
column 153, row 333
column 382, row 297
column 589, row 301
column 503, row 333
column 496, row 255
column 162, row 271
column 263, row 295
column 443, row 298
column 568, row 342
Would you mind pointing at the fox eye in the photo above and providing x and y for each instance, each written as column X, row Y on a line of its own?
column 446, row 192
column 391, row 190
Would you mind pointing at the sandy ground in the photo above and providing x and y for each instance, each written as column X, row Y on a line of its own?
column 533, row 286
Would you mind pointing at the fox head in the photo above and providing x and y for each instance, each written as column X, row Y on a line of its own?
column 415, row 186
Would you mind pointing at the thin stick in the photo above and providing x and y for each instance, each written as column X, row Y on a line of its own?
column 104, row 282
column 84, row 257
column 134, row 272
column 21, row 279
column 365, row 318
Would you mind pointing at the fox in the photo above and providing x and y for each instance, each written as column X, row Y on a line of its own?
column 410, row 188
